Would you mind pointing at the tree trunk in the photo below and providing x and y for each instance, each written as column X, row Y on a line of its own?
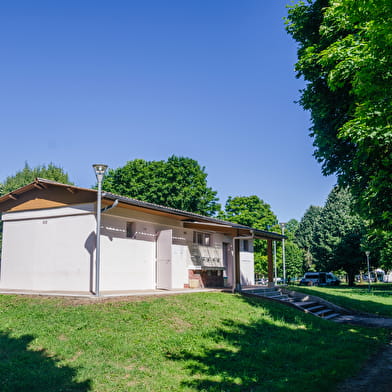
column 351, row 278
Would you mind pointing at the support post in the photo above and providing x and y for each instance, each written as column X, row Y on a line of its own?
column 100, row 171
column 275, row 266
column 270, row 264
column 98, row 246
column 237, row 264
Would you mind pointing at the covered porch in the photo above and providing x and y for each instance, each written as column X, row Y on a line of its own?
column 239, row 233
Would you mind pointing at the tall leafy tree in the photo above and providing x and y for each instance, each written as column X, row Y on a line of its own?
column 338, row 235
column 254, row 212
column 305, row 233
column 293, row 253
column 294, row 259
column 379, row 243
column 249, row 211
column 29, row 174
column 179, row 182
column 345, row 55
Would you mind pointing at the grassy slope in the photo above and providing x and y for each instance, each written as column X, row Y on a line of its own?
column 193, row 342
column 378, row 301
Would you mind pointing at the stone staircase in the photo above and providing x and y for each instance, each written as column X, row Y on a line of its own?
column 267, row 292
column 305, row 303
column 317, row 309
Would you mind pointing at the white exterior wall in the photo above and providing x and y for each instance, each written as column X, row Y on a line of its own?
column 127, row 263
column 181, row 259
column 54, row 250
column 130, row 263
column 247, row 266
column 47, row 250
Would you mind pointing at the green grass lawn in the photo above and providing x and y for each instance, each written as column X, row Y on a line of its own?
column 190, row 342
column 358, row 298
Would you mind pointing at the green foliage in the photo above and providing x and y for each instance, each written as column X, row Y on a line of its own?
column 178, row 182
column 249, row 211
column 379, row 243
column 291, row 228
column 305, row 233
column 28, row 175
column 345, row 55
column 338, row 235
column 293, row 253
column 254, row 212
column 193, row 342
column 294, row 259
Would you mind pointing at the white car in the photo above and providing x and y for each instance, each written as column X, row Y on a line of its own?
column 319, row 279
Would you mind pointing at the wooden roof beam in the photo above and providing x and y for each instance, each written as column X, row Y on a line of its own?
column 72, row 190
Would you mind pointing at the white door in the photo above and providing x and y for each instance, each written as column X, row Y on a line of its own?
column 164, row 259
column 227, row 263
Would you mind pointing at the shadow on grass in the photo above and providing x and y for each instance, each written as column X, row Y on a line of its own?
column 24, row 370
column 280, row 351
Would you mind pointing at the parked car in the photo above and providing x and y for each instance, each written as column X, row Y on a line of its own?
column 319, row 279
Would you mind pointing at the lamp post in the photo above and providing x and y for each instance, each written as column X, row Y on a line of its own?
column 100, row 171
column 367, row 253
column 283, row 225
column 274, row 257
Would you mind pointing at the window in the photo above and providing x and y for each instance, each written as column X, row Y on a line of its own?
column 245, row 245
column 130, row 229
column 202, row 238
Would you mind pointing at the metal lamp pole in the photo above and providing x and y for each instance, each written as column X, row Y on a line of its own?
column 367, row 253
column 283, row 225
column 100, row 171
column 274, row 253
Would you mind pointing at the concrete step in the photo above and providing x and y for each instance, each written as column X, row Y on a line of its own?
column 286, row 298
column 315, row 308
column 323, row 312
column 304, row 304
column 271, row 293
column 312, row 307
column 260, row 290
column 331, row 316
column 278, row 296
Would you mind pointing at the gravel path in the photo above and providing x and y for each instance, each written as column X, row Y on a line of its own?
column 376, row 376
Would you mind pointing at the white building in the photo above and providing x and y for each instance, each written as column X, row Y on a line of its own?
column 49, row 241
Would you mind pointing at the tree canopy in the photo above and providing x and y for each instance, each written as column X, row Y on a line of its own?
column 254, row 212
column 293, row 253
column 345, row 55
column 337, row 237
column 29, row 174
column 305, row 233
column 179, row 182
column 249, row 211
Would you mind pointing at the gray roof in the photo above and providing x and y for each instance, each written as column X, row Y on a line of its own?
column 189, row 217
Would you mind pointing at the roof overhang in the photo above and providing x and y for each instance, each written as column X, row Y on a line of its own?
column 190, row 220
column 234, row 230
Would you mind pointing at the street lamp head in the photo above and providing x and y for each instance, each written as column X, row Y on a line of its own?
column 367, row 253
column 100, row 171
column 282, row 224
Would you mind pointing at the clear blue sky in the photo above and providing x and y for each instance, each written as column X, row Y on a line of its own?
column 96, row 81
